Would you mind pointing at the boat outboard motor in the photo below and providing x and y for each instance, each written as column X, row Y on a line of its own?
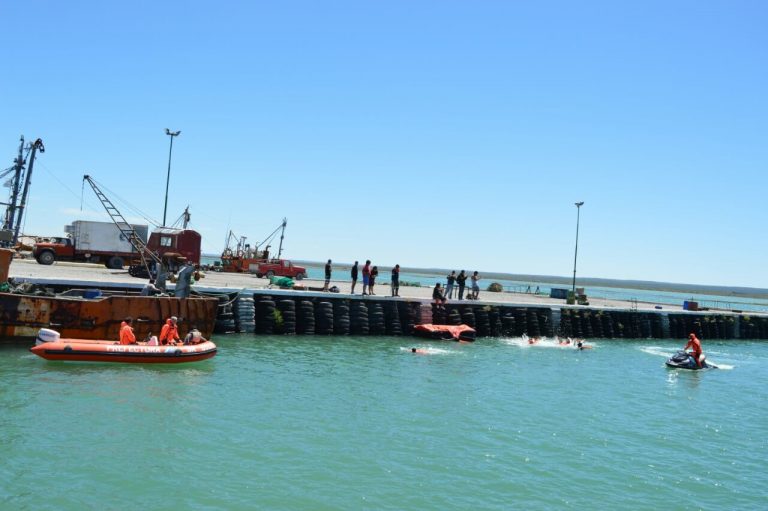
column 46, row 335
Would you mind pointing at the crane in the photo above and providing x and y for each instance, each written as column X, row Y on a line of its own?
column 124, row 227
column 9, row 231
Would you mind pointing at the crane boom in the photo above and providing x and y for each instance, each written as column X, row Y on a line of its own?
column 123, row 226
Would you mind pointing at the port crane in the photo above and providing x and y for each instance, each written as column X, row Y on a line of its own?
column 14, row 213
column 126, row 229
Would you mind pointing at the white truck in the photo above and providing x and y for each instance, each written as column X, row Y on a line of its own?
column 94, row 242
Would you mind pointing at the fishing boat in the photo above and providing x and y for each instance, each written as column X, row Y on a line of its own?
column 50, row 346
column 445, row 332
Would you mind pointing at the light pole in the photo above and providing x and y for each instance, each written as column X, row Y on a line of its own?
column 171, row 134
column 576, row 252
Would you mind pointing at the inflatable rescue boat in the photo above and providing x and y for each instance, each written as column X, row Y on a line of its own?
column 50, row 346
column 445, row 332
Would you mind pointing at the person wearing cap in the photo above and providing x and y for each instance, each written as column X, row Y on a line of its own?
column 695, row 344
column 170, row 332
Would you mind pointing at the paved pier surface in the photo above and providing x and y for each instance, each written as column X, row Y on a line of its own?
column 80, row 273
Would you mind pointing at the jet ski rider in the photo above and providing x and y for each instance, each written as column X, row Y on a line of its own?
column 695, row 344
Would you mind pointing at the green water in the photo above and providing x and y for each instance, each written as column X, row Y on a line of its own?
column 346, row 423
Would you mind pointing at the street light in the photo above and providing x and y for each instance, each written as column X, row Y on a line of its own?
column 576, row 252
column 171, row 134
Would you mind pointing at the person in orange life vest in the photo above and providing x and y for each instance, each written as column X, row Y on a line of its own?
column 126, row 332
column 170, row 332
column 695, row 344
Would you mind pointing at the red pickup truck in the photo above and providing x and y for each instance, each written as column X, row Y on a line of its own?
column 278, row 267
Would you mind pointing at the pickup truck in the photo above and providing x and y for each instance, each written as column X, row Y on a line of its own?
column 278, row 267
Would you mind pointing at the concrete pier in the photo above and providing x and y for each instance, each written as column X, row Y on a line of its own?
column 247, row 305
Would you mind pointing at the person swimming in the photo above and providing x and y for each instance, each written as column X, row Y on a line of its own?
column 419, row 351
column 581, row 346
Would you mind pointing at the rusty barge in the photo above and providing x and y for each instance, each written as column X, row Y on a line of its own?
column 22, row 315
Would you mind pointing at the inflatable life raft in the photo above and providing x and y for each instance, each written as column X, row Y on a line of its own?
column 445, row 332
column 50, row 346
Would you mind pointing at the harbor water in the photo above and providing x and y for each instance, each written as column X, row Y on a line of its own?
column 363, row 423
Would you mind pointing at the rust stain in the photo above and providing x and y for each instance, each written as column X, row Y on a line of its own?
column 22, row 316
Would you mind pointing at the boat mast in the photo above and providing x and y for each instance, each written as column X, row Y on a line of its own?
column 36, row 145
column 18, row 167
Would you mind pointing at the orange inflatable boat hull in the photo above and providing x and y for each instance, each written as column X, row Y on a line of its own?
column 110, row 351
column 445, row 332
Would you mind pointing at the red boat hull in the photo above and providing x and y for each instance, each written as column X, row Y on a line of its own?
column 108, row 351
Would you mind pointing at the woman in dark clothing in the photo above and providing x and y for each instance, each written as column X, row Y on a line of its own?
column 374, row 274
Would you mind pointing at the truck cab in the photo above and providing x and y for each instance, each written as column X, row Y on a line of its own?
column 181, row 241
column 46, row 252
column 280, row 268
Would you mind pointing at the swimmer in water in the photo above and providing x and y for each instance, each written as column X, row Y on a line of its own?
column 580, row 345
column 533, row 341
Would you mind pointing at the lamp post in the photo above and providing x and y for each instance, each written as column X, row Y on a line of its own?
column 576, row 252
column 171, row 134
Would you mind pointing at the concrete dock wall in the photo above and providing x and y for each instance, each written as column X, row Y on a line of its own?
column 326, row 314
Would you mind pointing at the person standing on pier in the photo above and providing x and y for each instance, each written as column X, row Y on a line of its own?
column 366, row 277
column 184, row 282
column 374, row 274
column 449, row 286
column 353, row 274
column 396, row 280
column 461, row 280
column 328, row 270
column 475, row 286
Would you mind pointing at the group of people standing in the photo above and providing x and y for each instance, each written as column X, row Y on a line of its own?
column 459, row 283
column 370, row 274
column 186, row 274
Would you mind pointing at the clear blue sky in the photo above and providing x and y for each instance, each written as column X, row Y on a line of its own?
column 439, row 134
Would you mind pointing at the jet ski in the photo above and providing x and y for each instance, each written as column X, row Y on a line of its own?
column 684, row 360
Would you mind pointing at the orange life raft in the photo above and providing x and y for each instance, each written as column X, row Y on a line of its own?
column 109, row 351
column 445, row 332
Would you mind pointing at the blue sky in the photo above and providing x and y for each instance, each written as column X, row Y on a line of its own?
column 432, row 134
